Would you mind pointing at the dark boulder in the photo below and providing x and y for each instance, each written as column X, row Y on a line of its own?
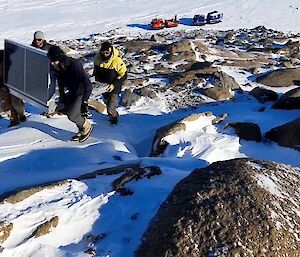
column 247, row 131
column 289, row 101
column 287, row 135
column 240, row 207
column 263, row 95
column 280, row 78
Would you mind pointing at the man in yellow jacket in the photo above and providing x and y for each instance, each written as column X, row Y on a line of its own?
column 109, row 68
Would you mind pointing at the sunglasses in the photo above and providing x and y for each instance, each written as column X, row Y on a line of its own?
column 38, row 39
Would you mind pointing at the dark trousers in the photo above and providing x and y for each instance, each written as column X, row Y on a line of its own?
column 12, row 105
column 73, row 111
column 111, row 100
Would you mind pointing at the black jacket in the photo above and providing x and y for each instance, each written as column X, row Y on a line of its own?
column 73, row 81
column 45, row 47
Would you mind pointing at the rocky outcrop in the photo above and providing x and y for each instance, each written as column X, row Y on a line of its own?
column 217, row 93
column 5, row 229
column 46, row 227
column 247, row 131
column 194, row 77
column 280, row 78
column 288, row 101
column 159, row 145
column 181, row 50
column 239, row 207
column 129, row 98
column 287, row 135
column 263, row 95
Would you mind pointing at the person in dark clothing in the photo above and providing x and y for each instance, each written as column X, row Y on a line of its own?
column 109, row 68
column 12, row 105
column 39, row 41
column 74, row 89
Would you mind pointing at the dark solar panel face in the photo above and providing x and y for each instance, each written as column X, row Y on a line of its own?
column 27, row 73
column 14, row 66
column 36, row 79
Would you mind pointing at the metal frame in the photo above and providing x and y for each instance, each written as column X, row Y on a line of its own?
column 18, row 93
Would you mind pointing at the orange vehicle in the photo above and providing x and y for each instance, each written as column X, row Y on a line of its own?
column 172, row 22
column 157, row 24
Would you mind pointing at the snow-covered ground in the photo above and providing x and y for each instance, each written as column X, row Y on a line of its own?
column 39, row 150
column 67, row 19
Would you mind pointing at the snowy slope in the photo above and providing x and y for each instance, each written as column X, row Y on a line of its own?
column 39, row 151
column 78, row 18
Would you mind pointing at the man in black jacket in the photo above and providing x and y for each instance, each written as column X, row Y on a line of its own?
column 39, row 41
column 74, row 89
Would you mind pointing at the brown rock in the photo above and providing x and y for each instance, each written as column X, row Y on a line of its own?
column 280, row 78
column 227, row 209
column 287, row 135
column 5, row 229
column 247, row 131
column 217, row 93
column 263, row 95
column 46, row 227
column 159, row 145
column 288, row 101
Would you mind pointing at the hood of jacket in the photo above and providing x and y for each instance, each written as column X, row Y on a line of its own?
column 106, row 63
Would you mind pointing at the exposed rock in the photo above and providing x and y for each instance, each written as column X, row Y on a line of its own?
column 5, row 229
column 220, row 78
column 157, row 38
column 147, row 92
column 239, row 207
column 201, row 47
column 287, row 64
column 290, row 48
column 247, row 131
column 181, row 50
column 287, row 135
column 295, row 61
column 179, row 46
column 96, row 105
column 201, row 65
column 20, row 195
column 139, row 45
column 288, row 101
column 263, row 95
column 134, row 83
column 220, row 119
column 159, row 145
column 46, row 227
column 217, row 93
column 254, row 70
column 129, row 98
column 280, row 78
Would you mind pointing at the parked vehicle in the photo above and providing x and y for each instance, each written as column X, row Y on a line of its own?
column 157, row 24
column 172, row 22
column 214, row 17
column 199, row 20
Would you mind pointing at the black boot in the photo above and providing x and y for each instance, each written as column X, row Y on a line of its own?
column 113, row 120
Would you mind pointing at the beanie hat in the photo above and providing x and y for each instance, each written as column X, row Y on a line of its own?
column 106, row 46
column 39, row 35
column 56, row 54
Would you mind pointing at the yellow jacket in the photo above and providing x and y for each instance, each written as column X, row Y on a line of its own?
column 114, row 63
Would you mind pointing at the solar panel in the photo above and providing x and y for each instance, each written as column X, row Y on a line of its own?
column 27, row 73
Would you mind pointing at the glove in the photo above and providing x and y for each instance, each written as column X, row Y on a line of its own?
column 110, row 88
column 84, row 109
